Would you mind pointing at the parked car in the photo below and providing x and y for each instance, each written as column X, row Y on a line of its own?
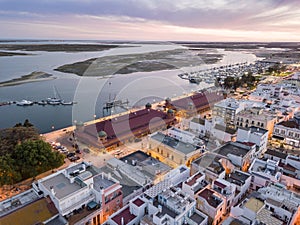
column 71, row 154
column 74, row 158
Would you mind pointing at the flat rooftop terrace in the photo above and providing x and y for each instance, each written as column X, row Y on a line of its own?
column 61, row 185
column 102, row 182
column 34, row 213
column 233, row 149
column 9, row 205
column 180, row 146
column 238, row 177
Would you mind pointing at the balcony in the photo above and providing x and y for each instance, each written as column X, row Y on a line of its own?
column 77, row 205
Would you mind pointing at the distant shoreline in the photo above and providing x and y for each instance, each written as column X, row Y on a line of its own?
column 35, row 76
column 139, row 62
column 58, row 47
column 3, row 54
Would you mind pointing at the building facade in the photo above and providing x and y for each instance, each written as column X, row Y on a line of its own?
column 257, row 117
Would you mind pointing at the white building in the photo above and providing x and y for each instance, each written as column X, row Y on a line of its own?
column 283, row 203
column 185, row 136
column 258, row 117
column 227, row 110
column 275, row 155
column 173, row 151
column 227, row 190
column 215, row 129
column 264, row 173
column 80, row 187
column 161, row 204
column 288, row 132
column 252, row 212
column 212, row 165
column 200, row 126
column 177, row 175
column 256, row 135
column 194, row 184
column 211, row 203
column 242, row 182
column 69, row 189
column 239, row 154
column 223, row 133
column 130, row 214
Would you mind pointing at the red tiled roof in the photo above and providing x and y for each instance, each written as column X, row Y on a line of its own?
column 130, row 125
column 199, row 100
column 219, row 184
column 125, row 214
column 248, row 143
column 138, row 202
column 290, row 124
column 208, row 195
column 287, row 167
column 194, row 179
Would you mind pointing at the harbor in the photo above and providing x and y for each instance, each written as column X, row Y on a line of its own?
column 221, row 72
column 49, row 101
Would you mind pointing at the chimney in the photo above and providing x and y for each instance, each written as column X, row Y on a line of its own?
column 133, row 162
column 160, row 208
column 52, row 190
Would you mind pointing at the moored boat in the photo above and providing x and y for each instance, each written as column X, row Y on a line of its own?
column 24, row 103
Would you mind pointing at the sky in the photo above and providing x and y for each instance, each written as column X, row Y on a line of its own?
column 165, row 20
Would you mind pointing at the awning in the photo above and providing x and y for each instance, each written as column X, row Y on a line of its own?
column 92, row 205
column 278, row 137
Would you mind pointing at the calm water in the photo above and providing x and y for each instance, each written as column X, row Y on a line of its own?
column 90, row 93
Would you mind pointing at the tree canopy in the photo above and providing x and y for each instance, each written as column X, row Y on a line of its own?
column 247, row 80
column 23, row 154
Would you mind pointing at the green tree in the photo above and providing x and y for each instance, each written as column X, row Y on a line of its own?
column 8, row 174
column 27, row 123
column 10, row 137
column 33, row 157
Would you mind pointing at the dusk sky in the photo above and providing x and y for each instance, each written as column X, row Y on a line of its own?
column 193, row 20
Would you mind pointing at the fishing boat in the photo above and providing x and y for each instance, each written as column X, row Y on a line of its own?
column 54, row 101
column 195, row 80
column 24, row 103
column 42, row 102
column 67, row 103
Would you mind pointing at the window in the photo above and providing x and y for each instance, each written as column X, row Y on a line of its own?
column 172, row 157
column 252, row 122
column 98, row 218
